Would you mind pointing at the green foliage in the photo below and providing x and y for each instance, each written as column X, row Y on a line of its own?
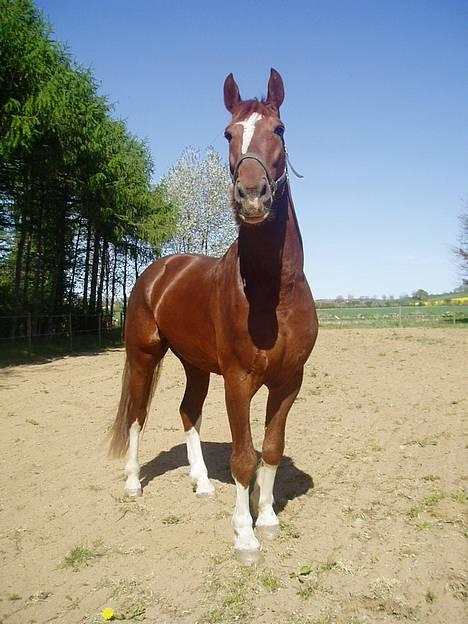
column 75, row 186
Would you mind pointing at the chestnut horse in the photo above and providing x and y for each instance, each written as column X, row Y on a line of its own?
column 248, row 316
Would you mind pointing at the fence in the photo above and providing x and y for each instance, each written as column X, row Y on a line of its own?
column 27, row 335
column 70, row 333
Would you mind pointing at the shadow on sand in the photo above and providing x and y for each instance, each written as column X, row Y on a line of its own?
column 290, row 482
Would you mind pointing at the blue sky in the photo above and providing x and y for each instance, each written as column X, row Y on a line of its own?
column 375, row 114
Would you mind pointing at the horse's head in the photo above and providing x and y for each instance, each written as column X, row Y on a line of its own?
column 256, row 149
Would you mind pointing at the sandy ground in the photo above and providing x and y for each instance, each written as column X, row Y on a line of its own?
column 371, row 494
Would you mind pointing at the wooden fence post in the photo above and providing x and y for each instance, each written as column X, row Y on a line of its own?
column 29, row 334
column 70, row 331
column 122, row 326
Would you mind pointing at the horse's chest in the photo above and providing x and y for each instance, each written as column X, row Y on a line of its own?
column 293, row 345
column 275, row 345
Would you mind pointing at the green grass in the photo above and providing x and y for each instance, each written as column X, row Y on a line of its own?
column 411, row 316
column 423, row 525
column 234, row 597
column 431, row 477
column 430, row 596
column 171, row 519
column 310, row 589
column 309, row 578
column 81, row 555
column 429, row 506
column 270, row 582
column 14, row 597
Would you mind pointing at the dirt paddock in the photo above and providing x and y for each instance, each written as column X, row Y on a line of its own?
column 371, row 494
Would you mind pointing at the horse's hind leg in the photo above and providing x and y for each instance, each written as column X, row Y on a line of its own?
column 280, row 400
column 138, row 384
column 190, row 411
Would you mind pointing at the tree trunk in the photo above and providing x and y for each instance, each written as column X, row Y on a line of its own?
column 27, row 267
column 101, row 275
column 58, row 277
column 136, row 261
column 114, row 271
column 124, row 285
column 94, row 273
column 18, row 267
column 75, row 260
column 86, row 275
column 39, row 270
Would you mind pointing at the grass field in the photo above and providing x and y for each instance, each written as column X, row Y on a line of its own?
column 394, row 316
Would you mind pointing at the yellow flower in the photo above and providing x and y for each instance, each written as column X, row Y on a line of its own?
column 107, row 614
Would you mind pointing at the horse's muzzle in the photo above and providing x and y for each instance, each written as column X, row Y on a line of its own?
column 253, row 202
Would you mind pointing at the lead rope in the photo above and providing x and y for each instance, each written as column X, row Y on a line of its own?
column 274, row 184
column 298, row 175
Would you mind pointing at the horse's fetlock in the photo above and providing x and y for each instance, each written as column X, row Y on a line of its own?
column 132, row 468
column 198, row 472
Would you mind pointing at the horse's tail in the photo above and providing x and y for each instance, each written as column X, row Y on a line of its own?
column 120, row 432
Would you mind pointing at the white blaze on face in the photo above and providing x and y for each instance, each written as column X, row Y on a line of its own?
column 249, row 129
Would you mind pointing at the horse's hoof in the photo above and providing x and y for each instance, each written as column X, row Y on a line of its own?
column 204, row 488
column 133, row 492
column 248, row 557
column 205, row 494
column 268, row 533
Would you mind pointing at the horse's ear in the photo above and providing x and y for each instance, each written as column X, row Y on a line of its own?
column 275, row 89
column 232, row 96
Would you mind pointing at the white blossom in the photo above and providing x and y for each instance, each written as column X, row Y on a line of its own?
column 198, row 185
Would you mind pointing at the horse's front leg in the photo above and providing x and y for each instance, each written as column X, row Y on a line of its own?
column 243, row 464
column 280, row 400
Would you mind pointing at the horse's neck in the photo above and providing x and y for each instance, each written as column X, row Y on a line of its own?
column 271, row 255
column 296, row 250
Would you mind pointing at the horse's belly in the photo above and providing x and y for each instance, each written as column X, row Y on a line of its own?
column 202, row 359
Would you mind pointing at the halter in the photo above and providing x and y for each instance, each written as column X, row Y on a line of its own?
column 274, row 184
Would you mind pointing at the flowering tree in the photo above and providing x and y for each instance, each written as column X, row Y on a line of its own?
column 198, row 188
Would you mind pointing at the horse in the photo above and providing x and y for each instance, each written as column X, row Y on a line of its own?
column 248, row 316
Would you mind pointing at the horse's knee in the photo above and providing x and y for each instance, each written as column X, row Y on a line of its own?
column 243, row 465
column 272, row 451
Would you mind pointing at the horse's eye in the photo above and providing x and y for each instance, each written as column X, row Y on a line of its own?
column 228, row 136
column 279, row 131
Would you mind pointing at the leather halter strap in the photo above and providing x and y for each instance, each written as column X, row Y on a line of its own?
column 274, row 184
